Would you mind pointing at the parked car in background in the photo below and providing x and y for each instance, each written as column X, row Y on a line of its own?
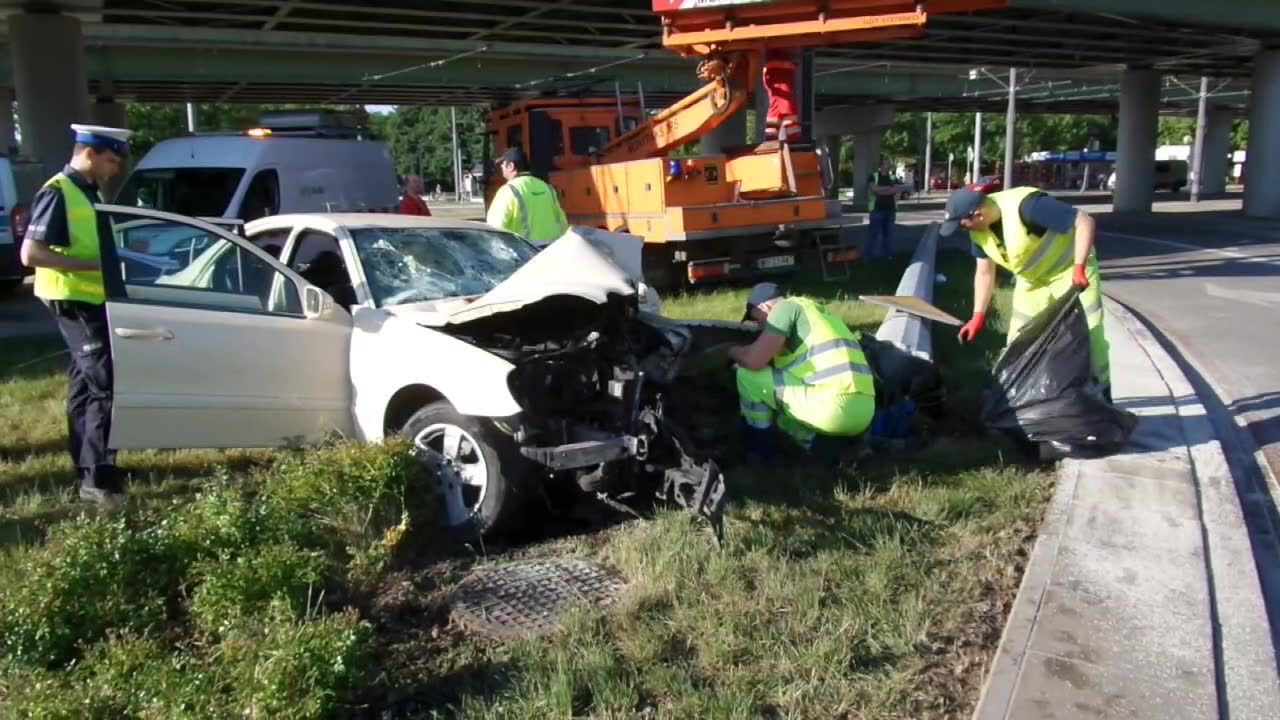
column 987, row 184
column 13, row 225
column 940, row 183
column 1169, row 175
column 516, row 374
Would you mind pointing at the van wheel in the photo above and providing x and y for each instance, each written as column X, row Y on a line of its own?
column 479, row 474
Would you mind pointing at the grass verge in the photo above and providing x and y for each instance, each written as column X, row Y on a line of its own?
column 262, row 584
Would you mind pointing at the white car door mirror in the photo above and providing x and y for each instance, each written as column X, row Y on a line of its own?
column 316, row 304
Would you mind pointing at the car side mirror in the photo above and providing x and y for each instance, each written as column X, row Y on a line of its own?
column 316, row 304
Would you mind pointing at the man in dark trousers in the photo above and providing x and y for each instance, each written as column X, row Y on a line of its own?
column 66, row 242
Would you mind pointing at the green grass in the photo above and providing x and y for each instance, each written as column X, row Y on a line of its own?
column 306, row 584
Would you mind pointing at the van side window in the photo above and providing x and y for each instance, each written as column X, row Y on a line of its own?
column 263, row 196
column 318, row 259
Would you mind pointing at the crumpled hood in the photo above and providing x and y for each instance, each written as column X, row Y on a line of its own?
column 585, row 262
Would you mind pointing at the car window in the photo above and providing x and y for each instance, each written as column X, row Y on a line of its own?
column 407, row 265
column 197, row 191
column 172, row 263
column 317, row 257
column 271, row 241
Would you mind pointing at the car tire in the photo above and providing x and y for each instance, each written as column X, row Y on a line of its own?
column 482, row 454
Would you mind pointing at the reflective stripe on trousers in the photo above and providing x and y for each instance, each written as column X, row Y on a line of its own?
column 1030, row 300
column 801, row 410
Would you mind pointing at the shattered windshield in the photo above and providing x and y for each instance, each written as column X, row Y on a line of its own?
column 408, row 265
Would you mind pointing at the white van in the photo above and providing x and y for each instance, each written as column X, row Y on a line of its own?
column 295, row 162
column 11, row 270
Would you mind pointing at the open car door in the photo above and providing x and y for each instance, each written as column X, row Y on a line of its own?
column 215, row 343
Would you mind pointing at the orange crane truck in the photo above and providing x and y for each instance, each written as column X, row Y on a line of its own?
column 742, row 213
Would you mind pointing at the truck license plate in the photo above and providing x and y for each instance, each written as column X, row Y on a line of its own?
column 779, row 261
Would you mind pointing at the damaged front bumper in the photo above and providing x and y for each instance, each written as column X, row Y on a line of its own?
column 696, row 486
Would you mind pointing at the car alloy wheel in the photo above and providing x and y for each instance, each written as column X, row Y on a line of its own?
column 460, row 470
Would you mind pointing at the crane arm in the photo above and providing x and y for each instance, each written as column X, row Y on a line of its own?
column 726, row 92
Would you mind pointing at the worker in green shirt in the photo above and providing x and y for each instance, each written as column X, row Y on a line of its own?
column 806, row 370
column 524, row 204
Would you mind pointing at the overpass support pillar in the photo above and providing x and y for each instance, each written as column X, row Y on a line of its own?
column 1262, row 162
column 866, row 160
column 8, row 139
column 1217, row 150
column 52, row 88
column 731, row 133
column 1136, row 144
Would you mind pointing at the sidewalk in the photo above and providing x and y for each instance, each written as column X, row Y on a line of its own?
column 1141, row 598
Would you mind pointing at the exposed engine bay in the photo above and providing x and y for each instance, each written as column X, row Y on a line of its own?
column 594, row 381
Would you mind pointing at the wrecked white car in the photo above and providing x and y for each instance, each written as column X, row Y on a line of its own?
column 513, row 371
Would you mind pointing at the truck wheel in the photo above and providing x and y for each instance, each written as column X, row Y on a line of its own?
column 478, row 472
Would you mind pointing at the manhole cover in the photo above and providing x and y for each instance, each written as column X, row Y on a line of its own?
column 527, row 598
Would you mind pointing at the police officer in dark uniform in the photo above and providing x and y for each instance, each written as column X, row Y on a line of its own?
column 67, row 242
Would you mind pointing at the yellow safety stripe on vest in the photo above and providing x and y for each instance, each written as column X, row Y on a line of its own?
column 1034, row 259
column 829, row 341
column 822, row 348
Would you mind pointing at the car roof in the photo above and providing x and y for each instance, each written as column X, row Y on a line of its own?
column 332, row 221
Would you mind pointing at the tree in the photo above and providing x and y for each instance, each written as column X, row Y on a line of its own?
column 421, row 141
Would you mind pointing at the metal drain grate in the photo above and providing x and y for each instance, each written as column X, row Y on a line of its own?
column 527, row 598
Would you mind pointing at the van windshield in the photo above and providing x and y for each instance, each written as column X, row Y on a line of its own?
column 409, row 265
column 198, row 192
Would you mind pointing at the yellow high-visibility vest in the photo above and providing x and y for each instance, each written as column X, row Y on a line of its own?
column 82, row 227
column 829, row 355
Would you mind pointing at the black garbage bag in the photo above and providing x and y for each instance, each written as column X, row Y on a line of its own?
column 1044, row 389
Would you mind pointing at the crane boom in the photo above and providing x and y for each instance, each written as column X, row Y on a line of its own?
column 726, row 92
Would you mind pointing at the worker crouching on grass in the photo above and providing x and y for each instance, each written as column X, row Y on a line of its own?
column 806, row 369
column 1047, row 245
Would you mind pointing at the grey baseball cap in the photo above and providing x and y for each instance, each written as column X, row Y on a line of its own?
column 761, row 293
column 960, row 205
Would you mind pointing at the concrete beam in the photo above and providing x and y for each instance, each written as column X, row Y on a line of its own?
column 853, row 120
column 51, row 84
column 1230, row 14
column 8, row 138
column 908, row 332
column 1262, row 165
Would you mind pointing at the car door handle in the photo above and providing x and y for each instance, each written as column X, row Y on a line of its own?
column 135, row 334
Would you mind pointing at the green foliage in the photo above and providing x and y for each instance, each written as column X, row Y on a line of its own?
column 1240, row 135
column 1176, row 131
column 208, row 607
column 94, row 576
column 231, row 590
column 347, row 498
column 279, row 666
column 421, row 140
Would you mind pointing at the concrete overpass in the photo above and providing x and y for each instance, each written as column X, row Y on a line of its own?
column 1074, row 56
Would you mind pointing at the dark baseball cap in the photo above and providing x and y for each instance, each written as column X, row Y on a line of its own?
column 515, row 156
column 960, row 205
column 760, row 294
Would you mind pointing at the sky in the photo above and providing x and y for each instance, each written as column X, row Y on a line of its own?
column 380, row 109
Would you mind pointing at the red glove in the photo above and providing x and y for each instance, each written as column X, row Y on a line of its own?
column 972, row 328
column 1079, row 279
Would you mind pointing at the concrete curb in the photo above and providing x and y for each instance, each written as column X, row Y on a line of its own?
column 1248, row 683
column 997, row 693
column 1233, row 641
